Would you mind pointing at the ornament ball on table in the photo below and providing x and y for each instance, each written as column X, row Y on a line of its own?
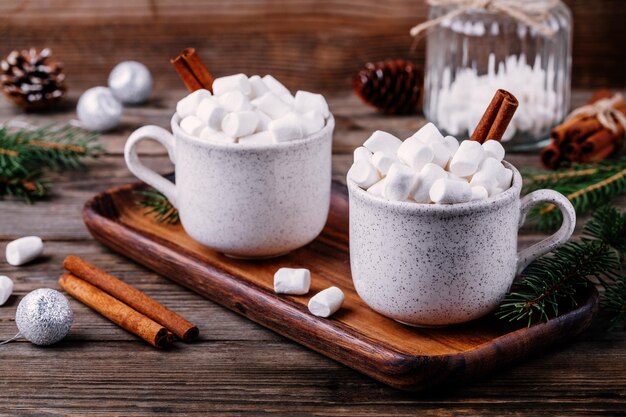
column 131, row 82
column 98, row 109
column 44, row 316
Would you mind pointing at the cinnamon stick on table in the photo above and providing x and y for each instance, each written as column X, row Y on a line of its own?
column 496, row 118
column 192, row 71
column 131, row 296
column 116, row 311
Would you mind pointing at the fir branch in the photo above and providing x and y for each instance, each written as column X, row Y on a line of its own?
column 587, row 186
column 614, row 302
column 609, row 226
column 159, row 206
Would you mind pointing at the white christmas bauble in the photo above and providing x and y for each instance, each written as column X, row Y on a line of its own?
column 44, row 316
column 98, row 109
column 131, row 82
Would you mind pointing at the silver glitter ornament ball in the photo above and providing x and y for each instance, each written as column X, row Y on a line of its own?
column 44, row 316
column 98, row 109
column 131, row 82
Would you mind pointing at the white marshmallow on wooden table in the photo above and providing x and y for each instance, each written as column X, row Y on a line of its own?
column 287, row 128
column 188, row 105
column 6, row 289
column 270, row 104
column 399, row 182
column 192, row 125
column 362, row 153
column 296, row 281
column 378, row 189
column 234, row 101
column 382, row 162
column 259, row 138
column 275, row 86
column 257, row 86
column 221, row 137
column 383, row 142
column 235, row 82
column 415, row 153
column 494, row 149
column 425, row 180
column 467, row 158
column 427, row 134
column 447, row 191
column 326, row 303
column 306, row 101
column 210, row 113
column 363, row 173
column 24, row 250
column 479, row 193
column 451, row 143
column 241, row 123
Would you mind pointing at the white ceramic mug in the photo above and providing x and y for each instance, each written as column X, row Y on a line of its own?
column 436, row 265
column 247, row 201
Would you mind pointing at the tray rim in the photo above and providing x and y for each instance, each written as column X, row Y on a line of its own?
column 390, row 366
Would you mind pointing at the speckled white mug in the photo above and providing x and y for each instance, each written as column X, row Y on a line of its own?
column 248, row 201
column 437, row 265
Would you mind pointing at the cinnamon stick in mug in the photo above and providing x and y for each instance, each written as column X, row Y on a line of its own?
column 496, row 118
column 192, row 71
column 116, row 311
column 131, row 296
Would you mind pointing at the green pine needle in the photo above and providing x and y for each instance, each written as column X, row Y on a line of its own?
column 587, row 186
column 550, row 285
column 26, row 153
column 159, row 206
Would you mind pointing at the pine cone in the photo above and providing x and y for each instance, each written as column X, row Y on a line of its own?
column 393, row 86
column 31, row 80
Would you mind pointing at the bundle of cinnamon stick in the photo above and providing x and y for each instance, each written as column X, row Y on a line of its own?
column 585, row 138
column 124, row 304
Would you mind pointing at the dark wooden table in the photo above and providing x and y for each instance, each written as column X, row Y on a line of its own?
column 238, row 367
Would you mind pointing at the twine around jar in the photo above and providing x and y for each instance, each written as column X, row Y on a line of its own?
column 604, row 111
column 529, row 13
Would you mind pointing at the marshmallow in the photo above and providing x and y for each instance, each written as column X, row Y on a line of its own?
column 441, row 153
column 192, row 125
column 292, row 281
column 400, row 180
column 467, row 158
column 270, row 104
column 489, row 175
column 362, row 153
column 383, row 142
column 236, row 82
column 446, row 191
column 305, row 101
column 326, row 303
column 260, row 138
column 451, row 143
column 210, row 113
column 505, row 178
column 382, row 162
column 378, row 189
column 313, row 122
column 479, row 193
column 427, row 134
column 188, row 105
column 493, row 149
column 234, row 101
column 275, row 86
column 241, row 123
column 286, row 128
column 415, row 153
column 257, row 86
column 288, row 99
column 206, row 132
column 6, row 289
column 24, row 250
column 220, row 137
column 363, row 173
column 425, row 180
column 264, row 121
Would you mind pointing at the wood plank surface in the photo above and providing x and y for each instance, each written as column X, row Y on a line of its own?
column 238, row 367
column 312, row 44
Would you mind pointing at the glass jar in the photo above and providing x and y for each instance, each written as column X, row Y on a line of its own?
column 470, row 56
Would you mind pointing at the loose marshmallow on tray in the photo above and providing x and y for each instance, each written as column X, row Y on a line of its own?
column 429, row 168
column 326, row 303
column 24, row 250
column 242, row 108
column 292, row 281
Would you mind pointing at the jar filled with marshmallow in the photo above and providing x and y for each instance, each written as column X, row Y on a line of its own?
column 521, row 46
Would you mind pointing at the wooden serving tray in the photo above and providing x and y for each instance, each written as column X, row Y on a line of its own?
column 403, row 357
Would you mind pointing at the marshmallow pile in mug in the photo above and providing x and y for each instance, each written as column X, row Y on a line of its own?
column 251, row 110
column 430, row 168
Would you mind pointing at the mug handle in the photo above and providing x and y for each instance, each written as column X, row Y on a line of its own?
column 144, row 173
column 528, row 255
